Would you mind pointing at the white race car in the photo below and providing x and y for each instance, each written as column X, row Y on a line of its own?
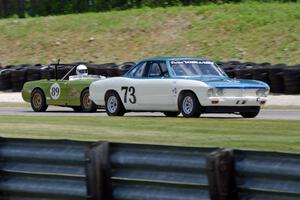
column 190, row 86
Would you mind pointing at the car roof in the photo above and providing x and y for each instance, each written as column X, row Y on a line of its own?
column 166, row 59
column 174, row 58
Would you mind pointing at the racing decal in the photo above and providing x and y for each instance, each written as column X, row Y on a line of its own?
column 190, row 62
column 131, row 91
column 55, row 91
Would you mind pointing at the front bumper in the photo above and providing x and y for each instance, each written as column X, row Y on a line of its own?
column 236, row 101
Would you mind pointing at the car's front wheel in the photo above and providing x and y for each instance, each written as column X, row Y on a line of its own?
column 251, row 114
column 86, row 104
column 38, row 101
column 113, row 104
column 189, row 105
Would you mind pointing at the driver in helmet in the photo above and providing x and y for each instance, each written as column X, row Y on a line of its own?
column 81, row 70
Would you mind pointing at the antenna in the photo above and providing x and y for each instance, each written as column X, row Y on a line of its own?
column 56, row 69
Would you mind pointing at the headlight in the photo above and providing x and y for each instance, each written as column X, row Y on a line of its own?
column 215, row 92
column 262, row 92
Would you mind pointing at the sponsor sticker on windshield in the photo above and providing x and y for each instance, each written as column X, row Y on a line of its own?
column 190, row 62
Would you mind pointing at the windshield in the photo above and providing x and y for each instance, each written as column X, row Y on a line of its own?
column 195, row 68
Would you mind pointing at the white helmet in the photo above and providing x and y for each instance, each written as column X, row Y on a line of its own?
column 82, row 70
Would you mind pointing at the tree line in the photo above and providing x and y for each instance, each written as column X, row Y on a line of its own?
column 23, row 8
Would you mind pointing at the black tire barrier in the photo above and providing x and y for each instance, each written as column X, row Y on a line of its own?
column 249, row 65
column 47, row 73
column 18, row 78
column 291, row 77
column 243, row 73
column 63, row 70
column 9, row 67
column 123, row 68
column 5, row 82
column 106, row 69
column 276, row 80
column 33, row 73
column 271, row 74
column 265, row 64
column 280, row 77
column 261, row 74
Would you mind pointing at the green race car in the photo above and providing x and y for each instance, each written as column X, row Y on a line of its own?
column 72, row 93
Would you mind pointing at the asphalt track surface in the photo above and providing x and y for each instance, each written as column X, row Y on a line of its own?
column 265, row 114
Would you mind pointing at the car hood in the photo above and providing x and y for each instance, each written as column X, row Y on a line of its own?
column 226, row 82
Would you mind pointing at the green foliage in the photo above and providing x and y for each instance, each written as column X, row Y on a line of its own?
column 54, row 7
column 24, row 8
column 251, row 31
column 155, row 3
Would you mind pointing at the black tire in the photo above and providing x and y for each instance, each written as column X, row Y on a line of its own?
column 171, row 114
column 86, row 104
column 113, row 104
column 189, row 105
column 251, row 114
column 38, row 101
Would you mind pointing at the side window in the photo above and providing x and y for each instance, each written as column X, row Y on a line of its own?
column 164, row 69
column 138, row 71
column 157, row 69
column 154, row 70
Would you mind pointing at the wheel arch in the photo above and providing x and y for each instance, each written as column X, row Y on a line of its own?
column 111, row 90
column 37, row 88
column 81, row 100
column 86, row 88
column 121, row 109
column 184, row 91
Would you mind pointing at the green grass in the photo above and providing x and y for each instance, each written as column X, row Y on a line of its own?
column 251, row 31
column 203, row 132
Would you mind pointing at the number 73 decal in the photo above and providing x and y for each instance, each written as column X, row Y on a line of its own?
column 129, row 91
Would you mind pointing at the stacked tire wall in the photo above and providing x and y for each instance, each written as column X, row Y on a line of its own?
column 282, row 79
column 13, row 77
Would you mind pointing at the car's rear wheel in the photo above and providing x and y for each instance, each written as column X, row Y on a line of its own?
column 113, row 104
column 171, row 114
column 86, row 104
column 38, row 101
column 189, row 105
column 251, row 114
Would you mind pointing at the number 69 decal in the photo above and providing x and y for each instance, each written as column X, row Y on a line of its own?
column 55, row 91
column 131, row 91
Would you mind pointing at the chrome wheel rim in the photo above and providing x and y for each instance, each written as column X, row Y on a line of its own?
column 187, row 105
column 112, row 104
column 37, row 100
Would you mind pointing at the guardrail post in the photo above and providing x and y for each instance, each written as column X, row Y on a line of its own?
column 98, row 172
column 221, row 175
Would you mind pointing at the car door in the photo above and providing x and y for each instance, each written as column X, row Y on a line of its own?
column 74, row 89
column 153, row 90
column 57, row 92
